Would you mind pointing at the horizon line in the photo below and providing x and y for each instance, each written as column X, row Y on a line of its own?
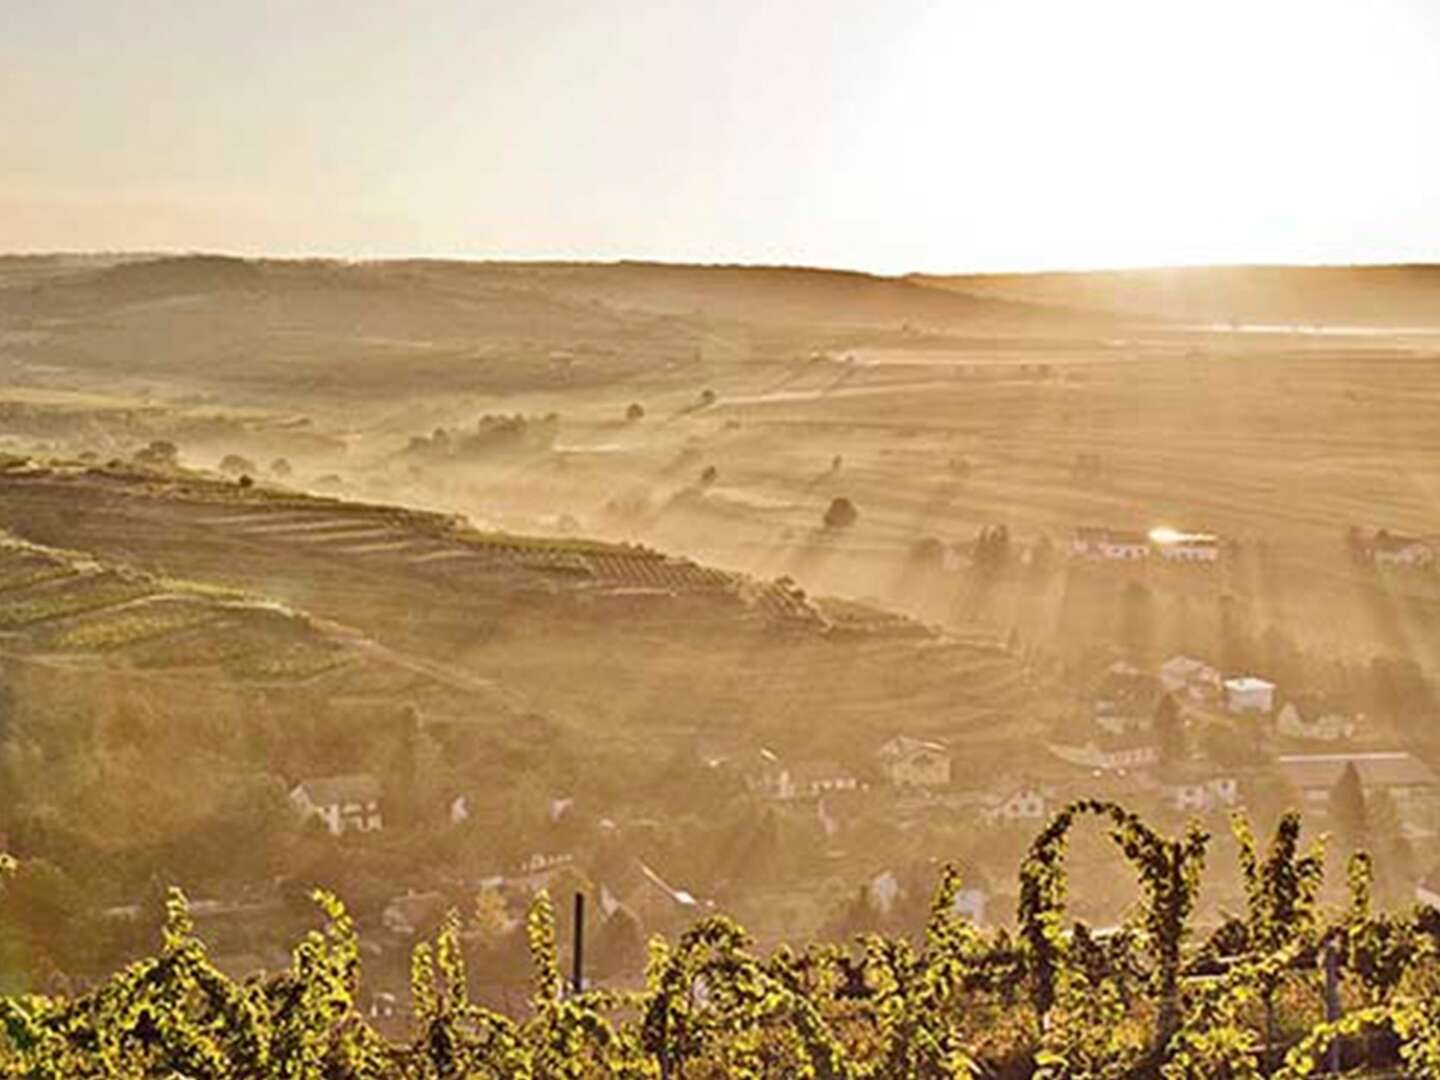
column 158, row 254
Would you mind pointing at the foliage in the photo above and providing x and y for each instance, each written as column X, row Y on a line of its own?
column 841, row 513
column 1050, row 1001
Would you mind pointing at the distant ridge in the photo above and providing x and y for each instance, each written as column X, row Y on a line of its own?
column 1380, row 295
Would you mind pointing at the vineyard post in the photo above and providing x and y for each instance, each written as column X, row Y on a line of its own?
column 1332, row 1000
column 579, row 958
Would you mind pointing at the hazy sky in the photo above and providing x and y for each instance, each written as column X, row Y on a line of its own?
column 895, row 135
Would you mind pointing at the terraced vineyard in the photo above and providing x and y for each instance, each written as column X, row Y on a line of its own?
column 56, row 602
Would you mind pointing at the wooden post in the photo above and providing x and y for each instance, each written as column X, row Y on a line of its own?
column 1331, row 960
column 578, row 978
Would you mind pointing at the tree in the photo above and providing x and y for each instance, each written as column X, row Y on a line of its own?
column 160, row 452
column 634, row 411
column 490, row 918
column 1137, row 620
column 841, row 513
column 402, row 777
column 1170, row 730
column 235, row 465
column 280, row 467
column 1348, row 812
column 709, row 475
column 992, row 547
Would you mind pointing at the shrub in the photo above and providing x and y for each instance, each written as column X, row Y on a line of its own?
column 841, row 513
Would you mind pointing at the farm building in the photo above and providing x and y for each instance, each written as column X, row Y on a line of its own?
column 348, row 803
column 1111, row 545
column 1249, row 694
column 911, row 762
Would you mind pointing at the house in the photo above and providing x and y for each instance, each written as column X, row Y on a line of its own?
column 917, row 882
column 1411, row 783
column 910, row 762
column 535, row 870
column 773, row 779
column 811, row 779
column 769, row 778
column 1024, row 804
column 1112, row 545
column 1184, row 547
column 887, row 889
column 1190, row 679
column 1249, row 694
column 1129, row 750
column 1193, row 791
column 1393, row 549
column 1125, row 698
column 344, row 803
column 1312, row 718
column 647, row 896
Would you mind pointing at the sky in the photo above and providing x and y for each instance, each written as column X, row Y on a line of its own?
column 934, row 135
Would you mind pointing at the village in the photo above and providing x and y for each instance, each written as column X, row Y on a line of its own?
column 1175, row 740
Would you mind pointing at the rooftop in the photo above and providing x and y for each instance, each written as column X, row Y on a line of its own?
column 1381, row 768
column 346, row 788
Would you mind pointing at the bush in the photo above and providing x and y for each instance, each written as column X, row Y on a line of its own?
column 1049, row 999
column 841, row 513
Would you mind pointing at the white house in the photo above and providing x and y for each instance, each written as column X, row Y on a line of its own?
column 886, row 889
column 1392, row 549
column 1314, row 721
column 1023, row 804
column 1249, row 694
column 1111, row 545
column 911, row 762
column 1183, row 547
column 1189, row 678
column 344, row 803
column 1201, row 794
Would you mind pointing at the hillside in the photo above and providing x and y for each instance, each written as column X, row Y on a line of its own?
column 1379, row 297
column 263, row 328
column 601, row 637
